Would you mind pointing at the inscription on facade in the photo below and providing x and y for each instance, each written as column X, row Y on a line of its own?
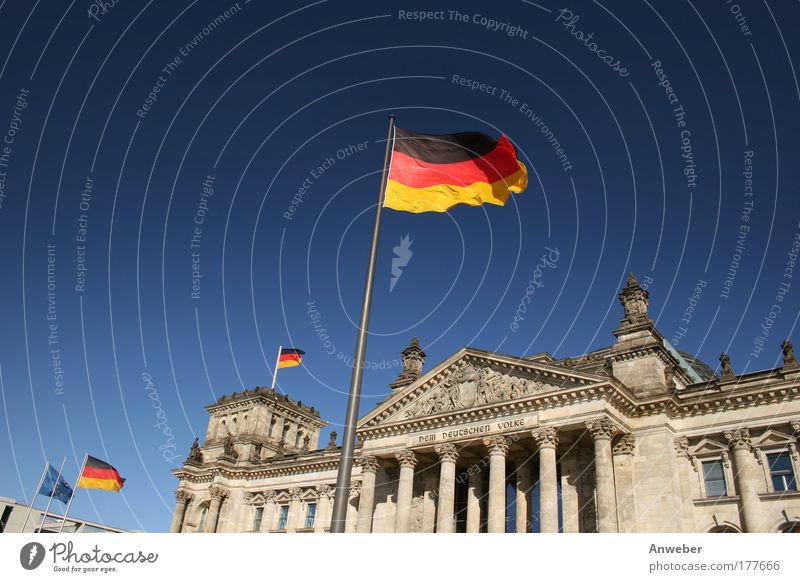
column 476, row 430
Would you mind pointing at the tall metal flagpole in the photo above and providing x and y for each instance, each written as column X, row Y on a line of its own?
column 33, row 499
column 277, row 363
column 348, row 442
column 74, row 492
column 52, row 493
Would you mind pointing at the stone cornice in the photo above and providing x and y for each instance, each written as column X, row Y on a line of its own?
column 286, row 408
column 660, row 352
column 277, row 468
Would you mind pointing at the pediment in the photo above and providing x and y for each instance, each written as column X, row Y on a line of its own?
column 708, row 446
column 472, row 379
column 773, row 437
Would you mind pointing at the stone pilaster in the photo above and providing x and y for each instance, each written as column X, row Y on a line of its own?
column 182, row 499
column 351, row 519
column 212, row 518
column 405, row 489
column 546, row 438
column 324, row 493
column 602, row 431
column 624, row 482
column 267, row 522
column 295, row 508
column 448, row 455
column 366, row 501
column 746, row 476
column 497, row 448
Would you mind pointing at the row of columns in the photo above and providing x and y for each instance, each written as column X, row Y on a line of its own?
column 546, row 438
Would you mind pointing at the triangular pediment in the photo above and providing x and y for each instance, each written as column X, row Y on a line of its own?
column 773, row 437
column 474, row 379
column 708, row 446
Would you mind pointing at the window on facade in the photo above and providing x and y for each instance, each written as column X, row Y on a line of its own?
column 780, row 469
column 283, row 516
column 257, row 518
column 714, row 475
column 311, row 515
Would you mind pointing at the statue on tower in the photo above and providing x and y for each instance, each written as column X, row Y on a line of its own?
column 634, row 301
column 195, row 454
column 413, row 360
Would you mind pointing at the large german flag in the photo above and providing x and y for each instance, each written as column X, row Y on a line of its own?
column 290, row 357
column 433, row 173
column 98, row 474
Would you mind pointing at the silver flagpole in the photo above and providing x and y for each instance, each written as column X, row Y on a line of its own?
column 52, row 493
column 74, row 491
column 275, row 371
column 33, row 499
column 348, row 443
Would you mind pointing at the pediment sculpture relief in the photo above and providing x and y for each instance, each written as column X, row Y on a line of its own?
column 470, row 386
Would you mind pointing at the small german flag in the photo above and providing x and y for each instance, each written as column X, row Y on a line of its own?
column 433, row 173
column 98, row 474
column 290, row 357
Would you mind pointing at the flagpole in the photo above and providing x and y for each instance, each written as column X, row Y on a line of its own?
column 52, row 493
column 33, row 499
column 348, row 443
column 277, row 363
column 74, row 491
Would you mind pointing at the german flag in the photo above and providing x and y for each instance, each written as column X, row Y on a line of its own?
column 98, row 474
column 290, row 357
column 433, row 173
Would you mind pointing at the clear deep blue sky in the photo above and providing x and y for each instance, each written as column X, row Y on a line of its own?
column 261, row 101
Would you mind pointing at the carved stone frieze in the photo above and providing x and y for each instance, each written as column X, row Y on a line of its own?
column 470, row 386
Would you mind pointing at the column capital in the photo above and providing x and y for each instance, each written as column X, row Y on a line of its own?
column 738, row 439
column 269, row 495
column 355, row 489
column 447, row 452
column 497, row 445
column 545, row 436
column 295, row 493
column 217, row 493
column 323, row 490
column 406, row 458
column 625, row 445
column 796, row 427
column 182, row 496
column 601, row 428
column 369, row 464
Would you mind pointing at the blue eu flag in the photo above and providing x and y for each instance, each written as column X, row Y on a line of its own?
column 53, row 484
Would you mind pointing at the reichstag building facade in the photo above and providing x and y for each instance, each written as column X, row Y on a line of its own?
column 635, row 437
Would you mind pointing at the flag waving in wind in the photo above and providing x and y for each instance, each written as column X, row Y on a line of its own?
column 97, row 474
column 54, row 485
column 433, row 173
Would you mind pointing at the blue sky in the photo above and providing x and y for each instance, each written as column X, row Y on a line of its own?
column 131, row 128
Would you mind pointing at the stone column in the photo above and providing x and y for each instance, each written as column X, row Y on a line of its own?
column 212, row 517
column 602, row 430
column 366, row 501
column 498, row 447
column 351, row 520
column 474, row 492
column 522, row 494
column 445, row 514
column 295, row 506
column 746, row 476
column 546, row 438
column 181, row 501
column 405, row 489
column 323, row 508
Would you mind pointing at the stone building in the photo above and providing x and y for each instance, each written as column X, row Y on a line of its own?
column 634, row 437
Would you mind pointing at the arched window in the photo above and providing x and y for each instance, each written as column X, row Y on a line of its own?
column 201, row 525
column 285, row 432
column 299, row 440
